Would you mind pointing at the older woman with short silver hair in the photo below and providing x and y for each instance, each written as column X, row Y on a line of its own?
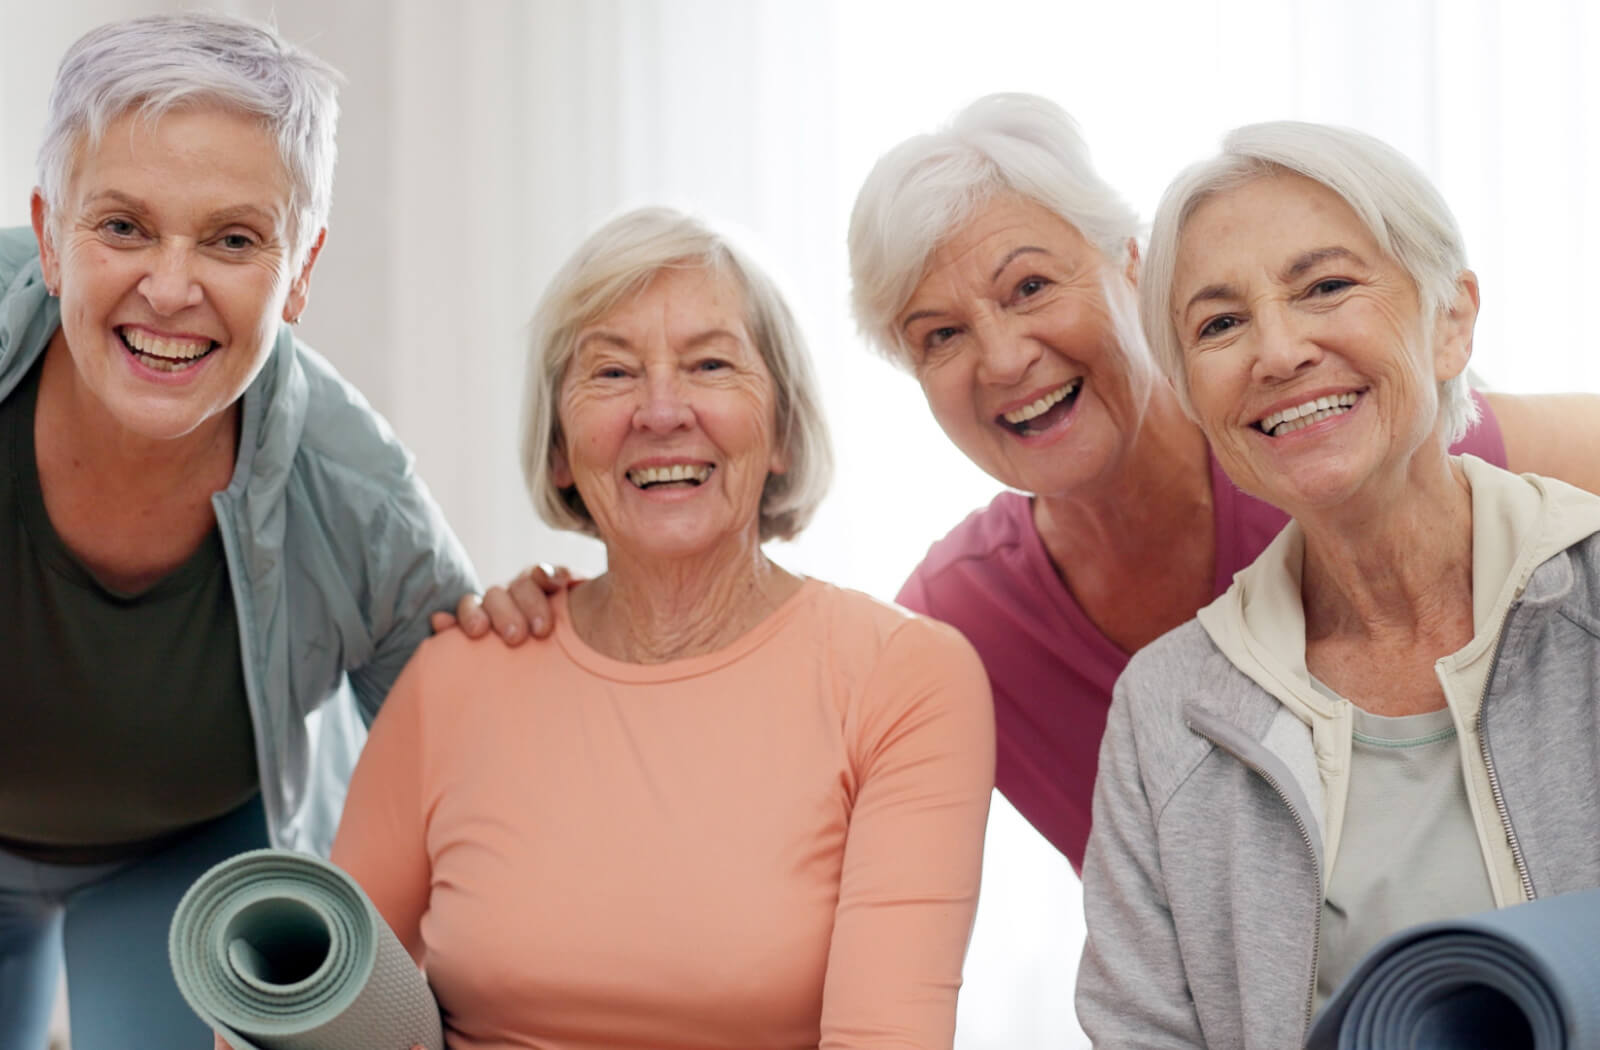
column 1390, row 716
column 726, row 805
column 206, row 533
column 991, row 261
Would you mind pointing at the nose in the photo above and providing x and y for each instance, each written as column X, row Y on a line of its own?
column 1007, row 351
column 664, row 406
column 1284, row 347
column 170, row 284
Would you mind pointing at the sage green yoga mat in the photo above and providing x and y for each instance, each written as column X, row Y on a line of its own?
column 280, row 951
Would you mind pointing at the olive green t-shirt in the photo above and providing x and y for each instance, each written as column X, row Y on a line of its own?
column 123, row 717
column 1409, row 852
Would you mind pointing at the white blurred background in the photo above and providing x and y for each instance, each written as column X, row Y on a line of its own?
column 481, row 139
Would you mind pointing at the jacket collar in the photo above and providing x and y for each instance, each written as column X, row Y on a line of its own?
column 273, row 418
column 1518, row 523
column 274, row 404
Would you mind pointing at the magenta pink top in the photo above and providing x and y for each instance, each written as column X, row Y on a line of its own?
column 1050, row 668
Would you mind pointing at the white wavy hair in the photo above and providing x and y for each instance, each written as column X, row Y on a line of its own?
column 927, row 187
column 156, row 63
column 1389, row 194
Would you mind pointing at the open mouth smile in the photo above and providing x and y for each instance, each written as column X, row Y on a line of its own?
column 1043, row 413
column 162, row 353
column 1298, row 417
column 679, row 475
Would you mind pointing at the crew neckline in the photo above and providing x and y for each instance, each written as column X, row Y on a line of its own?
column 593, row 660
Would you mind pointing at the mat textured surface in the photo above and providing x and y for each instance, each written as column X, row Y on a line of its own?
column 281, row 951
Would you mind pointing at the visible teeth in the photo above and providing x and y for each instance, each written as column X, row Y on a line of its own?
column 695, row 472
column 159, row 346
column 1303, row 415
column 1043, row 405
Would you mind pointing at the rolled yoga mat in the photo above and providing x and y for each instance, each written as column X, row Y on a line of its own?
column 280, row 951
column 1523, row 978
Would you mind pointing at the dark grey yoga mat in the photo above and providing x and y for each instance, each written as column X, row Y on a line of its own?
column 280, row 951
column 1522, row 978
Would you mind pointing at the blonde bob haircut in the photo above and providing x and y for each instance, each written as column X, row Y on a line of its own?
column 1388, row 193
column 615, row 263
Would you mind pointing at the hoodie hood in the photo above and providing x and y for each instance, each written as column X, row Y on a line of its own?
column 1518, row 523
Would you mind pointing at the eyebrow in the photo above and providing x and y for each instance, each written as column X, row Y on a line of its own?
column 1210, row 293
column 1297, row 268
column 1026, row 249
column 1011, row 256
column 220, row 217
column 620, row 342
column 1306, row 260
column 121, row 198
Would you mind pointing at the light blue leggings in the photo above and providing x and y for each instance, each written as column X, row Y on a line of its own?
column 109, row 922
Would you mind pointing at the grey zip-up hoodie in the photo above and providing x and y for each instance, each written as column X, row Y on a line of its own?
column 1220, row 796
column 336, row 552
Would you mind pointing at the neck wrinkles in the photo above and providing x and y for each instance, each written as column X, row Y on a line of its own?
column 1402, row 565
column 656, row 611
column 1162, row 482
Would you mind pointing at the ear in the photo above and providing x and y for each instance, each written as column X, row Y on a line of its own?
column 560, row 470
column 48, row 260
column 1452, row 347
column 1131, row 271
column 300, row 290
column 779, row 462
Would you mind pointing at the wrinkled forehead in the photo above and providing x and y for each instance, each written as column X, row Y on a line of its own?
column 1262, row 217
column 133, row 129
column 685, row 304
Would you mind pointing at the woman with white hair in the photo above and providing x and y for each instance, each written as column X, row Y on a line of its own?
column 206, row 533
column 724, row 805
column 992, row 262
column 1389, row 717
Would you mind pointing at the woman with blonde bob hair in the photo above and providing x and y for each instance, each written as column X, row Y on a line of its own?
column 725, row 805
column 614, row 264
column 1390, row 716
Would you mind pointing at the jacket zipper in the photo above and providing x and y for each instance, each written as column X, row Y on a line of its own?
column 1316, row 867
column 1494, row 778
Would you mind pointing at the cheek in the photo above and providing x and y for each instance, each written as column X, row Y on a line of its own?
column 1209, row 391
column 949, row 397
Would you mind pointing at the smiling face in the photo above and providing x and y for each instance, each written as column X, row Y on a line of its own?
column 1018, row 354
column 172, row 256
column 668, row 420
column 1309, row 363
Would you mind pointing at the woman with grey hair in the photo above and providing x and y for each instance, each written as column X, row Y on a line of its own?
column 1390, row 716
column 206, row 533
column 725, row 805
column 992, row 262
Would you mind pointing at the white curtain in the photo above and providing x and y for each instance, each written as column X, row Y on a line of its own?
column 481, row 139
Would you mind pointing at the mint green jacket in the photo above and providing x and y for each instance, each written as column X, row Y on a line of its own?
column 336, row 551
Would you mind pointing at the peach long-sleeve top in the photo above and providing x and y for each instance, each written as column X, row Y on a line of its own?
column 773, row 846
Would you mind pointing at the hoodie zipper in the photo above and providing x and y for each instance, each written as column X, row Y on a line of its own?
column 1311, row 851
column 1494, row 778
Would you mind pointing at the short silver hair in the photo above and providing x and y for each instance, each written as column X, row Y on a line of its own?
column 615, row 263
column 156, row 63
column 924, row 189
column 1388, row 193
